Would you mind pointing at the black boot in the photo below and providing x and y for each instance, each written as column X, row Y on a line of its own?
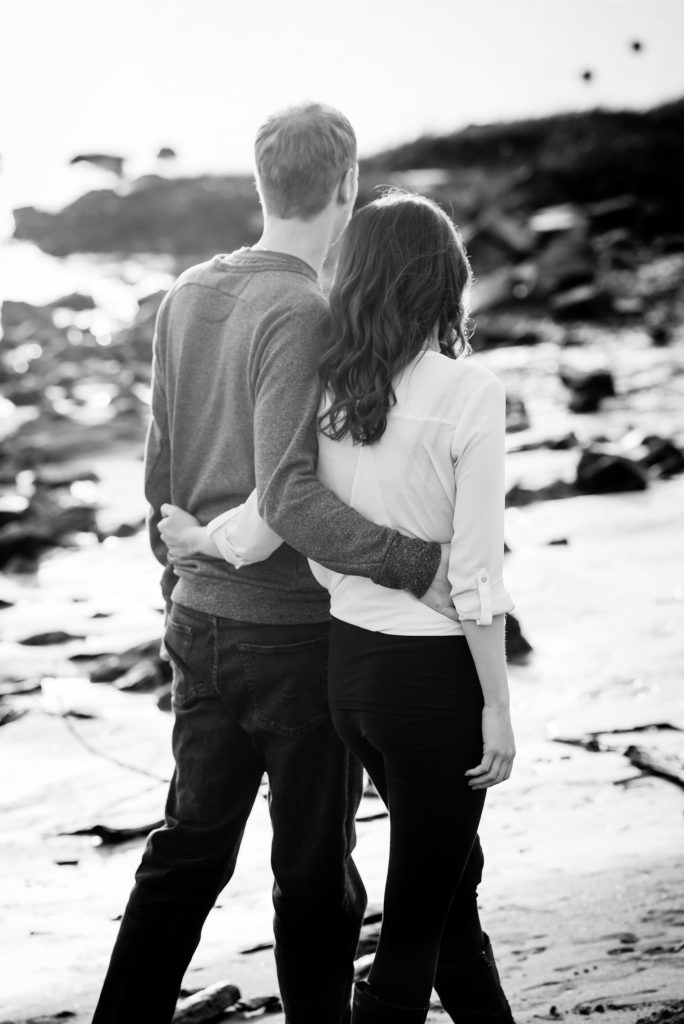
column 471, row 991
column 368, row 1009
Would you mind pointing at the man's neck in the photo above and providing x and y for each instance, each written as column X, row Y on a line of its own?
column 308, row 240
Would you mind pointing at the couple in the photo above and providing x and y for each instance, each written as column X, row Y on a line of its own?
column 333, row 418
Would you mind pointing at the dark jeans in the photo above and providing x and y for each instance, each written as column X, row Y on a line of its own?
column 410, row 709
column 247, row 699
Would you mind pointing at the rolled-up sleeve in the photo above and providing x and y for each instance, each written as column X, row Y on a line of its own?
column 477, row 546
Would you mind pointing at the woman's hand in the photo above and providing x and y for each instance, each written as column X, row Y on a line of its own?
column 498, row 749
column 180, row 531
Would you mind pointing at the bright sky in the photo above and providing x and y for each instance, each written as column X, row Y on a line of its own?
column 128, row 76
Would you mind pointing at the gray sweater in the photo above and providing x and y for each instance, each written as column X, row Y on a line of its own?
column 234, row 401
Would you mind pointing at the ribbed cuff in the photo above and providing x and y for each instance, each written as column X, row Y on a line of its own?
column 410, row 564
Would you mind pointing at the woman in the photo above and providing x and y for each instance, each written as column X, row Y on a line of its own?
column 412, row 436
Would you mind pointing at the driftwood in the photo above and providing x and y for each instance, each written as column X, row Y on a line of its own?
column 655, row 762
column 8, row 715
column 206, row 1005
column 372, row 817
column 245, row 1009
column 114, row 836
column 649, row 759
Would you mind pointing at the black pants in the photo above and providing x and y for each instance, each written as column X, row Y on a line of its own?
column 410, row 708
column 247, row 699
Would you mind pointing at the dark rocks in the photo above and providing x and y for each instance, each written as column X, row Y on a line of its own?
column 583, row 302
column 107, row 161
column 517, row 496
column 51, row 519
column 164, row 698
column 565, row 262
column 517, row 417
column 75, row 301
column 113, row 666
column 663, row 456
column 518, row 649
column 194, row 217
column 9, row 714
column 109, row 836
column 599, row 472
column 45, row 639
column 145, row 676
column 588, row 388
column 127, row 529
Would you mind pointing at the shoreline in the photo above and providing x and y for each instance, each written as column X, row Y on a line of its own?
column 583, row 879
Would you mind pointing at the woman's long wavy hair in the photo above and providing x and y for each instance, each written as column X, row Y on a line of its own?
column 401, row 276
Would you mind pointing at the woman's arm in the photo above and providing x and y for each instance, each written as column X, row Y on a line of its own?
column 240, row 536
column 486, row 645
column 476, row 569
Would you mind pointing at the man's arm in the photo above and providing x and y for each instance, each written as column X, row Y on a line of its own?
column 157, row 464
column 291, row 498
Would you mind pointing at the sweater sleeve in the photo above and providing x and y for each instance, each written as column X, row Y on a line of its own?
column 477, row 546
column 157, row 452
column 292, row 500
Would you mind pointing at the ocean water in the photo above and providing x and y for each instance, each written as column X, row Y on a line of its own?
column 29, row 275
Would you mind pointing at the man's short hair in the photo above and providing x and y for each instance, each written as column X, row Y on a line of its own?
column 302, row 154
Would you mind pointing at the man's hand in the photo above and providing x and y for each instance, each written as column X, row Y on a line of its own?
column 180, row 531
column 498, row 749
column 438, row 594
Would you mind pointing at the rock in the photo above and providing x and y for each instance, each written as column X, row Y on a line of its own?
column 166, row 153
column 12, row 507
column 164, row 698
column 207, row 1005
column 564, row 263
column 585, row 301
column 499, row 329
column 8, row 714
column 557, row 219
column 491, row 290
column 109, row 836
column 75, row 301
column 107, row 161
column 64, row 476
column 517, row 417
column 518, row 496
column 600, row 472
column 662, row 455
column 143, row 677
column 588, row 388
column 518, row 649
column 508, row 234
column 127, row 529
column 22, row 322
column 112, row 666
column 617, row 212
column 44, row 639
column 563, row 443
column 193, row 217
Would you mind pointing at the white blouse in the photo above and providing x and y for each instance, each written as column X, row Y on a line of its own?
column 436, row 473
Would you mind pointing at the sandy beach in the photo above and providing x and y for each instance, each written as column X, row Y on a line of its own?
column 584, row 879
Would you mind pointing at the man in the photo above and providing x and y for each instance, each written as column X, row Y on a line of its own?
column 235, row 396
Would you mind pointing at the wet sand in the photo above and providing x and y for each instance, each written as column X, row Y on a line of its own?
column 583, row 892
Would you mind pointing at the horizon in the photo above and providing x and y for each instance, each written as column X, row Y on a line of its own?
column 130, row 81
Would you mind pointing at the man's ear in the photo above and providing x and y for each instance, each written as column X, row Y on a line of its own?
column 348, row 186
